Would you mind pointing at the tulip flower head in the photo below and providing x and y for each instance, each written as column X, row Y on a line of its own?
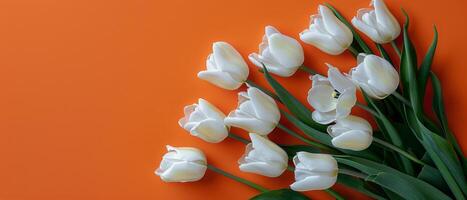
column 327, row 32
column 182, row 164
column 352, row 133
column 314, row 171
column 256, row 112
column 281, row 54
column 375, row 75
column 263, row 157
column 378, row 23
column 332, row 97
column 205, row 121
column 225, row 67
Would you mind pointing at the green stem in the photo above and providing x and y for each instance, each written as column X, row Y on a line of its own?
column 307, row 141
column 334, row 194
column 401, row 98
column 238, row 138
column 236, row 178
column 398, row 150
column 353, row 173
column 353, row 51
column 368, row 109
column 307, row 70
column 396, row 49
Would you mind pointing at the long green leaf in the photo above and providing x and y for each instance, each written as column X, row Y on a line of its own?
column 440, row 151
column 402, row 184
column 361, row 44
column 425, row 67
column 387, row 127
column 438, row 107
column 292, row 150
column 442, row 154
column 282, row 194
column 384, row 53
column 308, row 130
column 358, row 185
column 433, row 177
column 408, row 69
column 293, row 104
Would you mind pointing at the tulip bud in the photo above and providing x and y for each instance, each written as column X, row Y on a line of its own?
column 375, row 75
column 378, row 23
column 225, row 67
column 281, row 54
column 352, row 133
column 182, row 164
column 256, row 112
column 332, row 97
column 205, row 121
column 263, row 157
column 327, row 32
column 314, row 171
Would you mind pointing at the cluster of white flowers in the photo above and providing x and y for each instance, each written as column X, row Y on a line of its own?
column 332, row 97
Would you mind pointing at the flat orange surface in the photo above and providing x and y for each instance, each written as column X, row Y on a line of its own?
column 91, row 90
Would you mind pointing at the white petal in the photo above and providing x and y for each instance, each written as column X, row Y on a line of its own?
column 270, row 30
column 267, row 150
column 386, row 20
column 338, row 80
column 324, row 117
column 367, row 30
column 321, row 97
column 185, row 153
column 265, row 107
column 318, row 79
column 187, row 111
column 183, row 172
column 345, row 103
column 322, row 41
column 229, row 60
column 272, row 66
column 286, row 50
column 220, row 79
column 268, row 169
column 313, row 183
column 210, row 110
column 340, row 32
column 382, row 75
column 211, row 130
column 355, row 123
column 250, row 124
column 355, row 140
column 263, row 157
column 316, row 162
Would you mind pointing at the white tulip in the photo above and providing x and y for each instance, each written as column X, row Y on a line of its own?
column 327, row 32
column 281, row 54
column 263, row 157
column 378, row 23
column 314, row 171
column 225, row 67
column 375, row 75
column 182, row 164
column 256, row 112
column 352, row 133
column 332, row 97
column 205, row 121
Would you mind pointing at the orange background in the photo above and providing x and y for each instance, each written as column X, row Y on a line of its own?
column 91, row 90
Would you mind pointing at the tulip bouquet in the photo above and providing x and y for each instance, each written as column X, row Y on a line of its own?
column 408, row 156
